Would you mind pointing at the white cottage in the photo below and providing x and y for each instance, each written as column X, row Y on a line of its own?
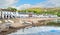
column 4, row 13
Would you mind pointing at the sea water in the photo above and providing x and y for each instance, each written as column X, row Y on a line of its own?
column 41, row 30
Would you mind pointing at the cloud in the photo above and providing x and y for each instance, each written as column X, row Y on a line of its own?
column 50, row 3
column 44, row 4
column 6, row 3
column 24, row 6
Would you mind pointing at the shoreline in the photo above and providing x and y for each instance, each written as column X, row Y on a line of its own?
column 12, row 29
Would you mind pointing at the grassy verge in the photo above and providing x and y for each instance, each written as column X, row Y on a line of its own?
column 53, row 24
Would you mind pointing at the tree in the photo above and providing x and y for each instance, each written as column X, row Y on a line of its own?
column 12, row 9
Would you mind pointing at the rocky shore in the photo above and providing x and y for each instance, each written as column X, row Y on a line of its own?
column 17, row 24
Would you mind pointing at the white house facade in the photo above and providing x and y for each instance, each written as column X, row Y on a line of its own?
column 9, row 14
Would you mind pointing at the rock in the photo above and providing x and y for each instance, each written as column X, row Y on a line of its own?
column 35, row 22
column 3, row 27
column 0, row 21
column 21, row 22
column 27, row 23
column 6, row 20
column 11, row 21
column 16, row 25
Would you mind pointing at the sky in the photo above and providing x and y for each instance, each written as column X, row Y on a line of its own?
column 24, row 4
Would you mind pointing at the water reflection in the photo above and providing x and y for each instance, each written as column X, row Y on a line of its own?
column 56, row 21
column 42, row 30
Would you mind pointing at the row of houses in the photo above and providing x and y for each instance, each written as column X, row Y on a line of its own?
column 4, row 13
column 8, row 14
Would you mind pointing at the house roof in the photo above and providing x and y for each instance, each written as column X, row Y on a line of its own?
column 4, row 10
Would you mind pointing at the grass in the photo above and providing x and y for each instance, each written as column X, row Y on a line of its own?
column 53, row 24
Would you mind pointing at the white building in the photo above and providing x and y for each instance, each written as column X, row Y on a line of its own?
column 8, row 14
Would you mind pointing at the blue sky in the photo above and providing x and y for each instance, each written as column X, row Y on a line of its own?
column 23, row 4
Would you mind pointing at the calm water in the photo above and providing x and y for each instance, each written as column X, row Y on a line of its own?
column 42, row 30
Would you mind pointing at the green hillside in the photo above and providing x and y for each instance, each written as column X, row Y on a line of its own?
column 54, row 11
